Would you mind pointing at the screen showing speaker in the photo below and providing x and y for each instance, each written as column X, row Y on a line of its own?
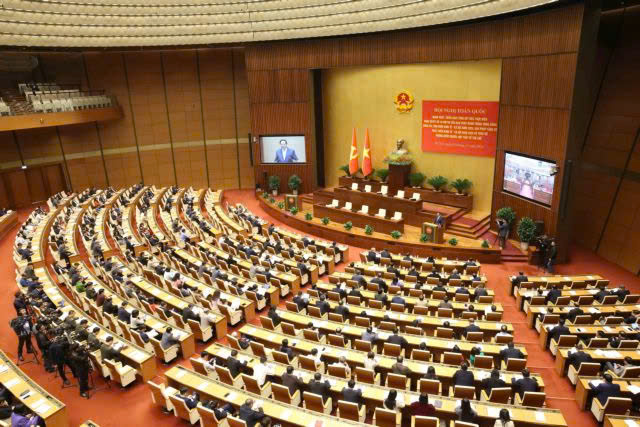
column 283, row 149
column 529, row 177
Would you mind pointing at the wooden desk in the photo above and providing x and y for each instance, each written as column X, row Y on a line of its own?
column 7, row 223
column 523, row 295
column 50, row 409
column 377, row 201
column 342, row 216
column 322, row 245
column 599, row 356
column 584, row 394
column 545, row 281
column 178, row 377
column 373, row 395
column 596, row 311
column 585, row 331
column 417, row 261
column 621, row 421
column 371, row 269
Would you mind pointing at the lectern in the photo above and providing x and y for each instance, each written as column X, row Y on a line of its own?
column 398, row 177
column 291, row 200
column 434, row 233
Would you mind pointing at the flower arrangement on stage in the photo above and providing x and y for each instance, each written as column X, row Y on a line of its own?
column 396, row 234
column 398, row 158
column 280, row 205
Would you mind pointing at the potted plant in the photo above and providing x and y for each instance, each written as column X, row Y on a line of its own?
column 274, row 184
column 272, row 200
column 294, row 183
column 348, row 225
column 294, row 210
column 368, row 230
column 416, row 179
column 438, row 182
column 382, row 174
column 462, row 185
column 508, row 214
column 424, row 238
column 485, row 244
column 345, row 169
column 265, row 195
column 526, row 232
column 325, row 220
column 453, row 241
column 308, row 216
column 395, row 234
column 280, row 205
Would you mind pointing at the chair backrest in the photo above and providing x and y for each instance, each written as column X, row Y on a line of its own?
column 500, row 394
column 156, row 393
column 235, row 422
column 420, row 421
column 429, row 386
column 445, row 312
column 583, row 319
column 288, row 328
column 588, row 369
column 598, row 343
column 251, row 384
column 392, row 349
column 457, row 423
column 363, row 322
column 281, row 393
column 207, row 417
column 628, row 344
column 475, row 336
column 311, row 335
column 631, row 372
column 314, row 311
column 484, row 362
column 535, row 399
column 423, row 355
column 567, row 340
column 292, row 306
column 181, row 408
column 399, row 308
column 257, row 349
column 385, row 417
column 613, row 320
column 336, row 340
column 337, row 371
column 516, row 365
column 461, row 391
column 397, row 381
column 444, row 332
column 306, row 362
column 361, row 345
column 413, row 330
column 280, row 357
column 267, row 323
column 610, row 299
column 617, row 405
column 449, row 358
column 348, row 410
column 313, row 401
column 198, row 366
column 365, row 375
column 224, row 375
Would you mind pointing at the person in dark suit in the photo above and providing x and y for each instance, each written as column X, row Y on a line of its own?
column 300, row 301
column 319, row 387
column 521, row 277
column 372, row 256
column 559, row 330
column 397, row 339
column 123, row 314
column 323, row 305
column 189, row 314
column 471, row 328
column 190, row 400
column 284, row 348
column 274, row 316
column 524, row 384
column 381, row 296
column 342, row 310
column 351, row 394
column 234, row 366
column 397, row 299
column 399, row 368
column 108, row 352
column 378, row 280
column 511, row 353
column 553, row 295
column 574, row 312
column 494, row 381
column 292, row 382
column 463, row 376
column 621, row 293
column 248, row 414
column 394, row 270
column 385, row 254
column 578, row 357
column 480, row 291
column 606, row 389
column 603, row 292
column 285, row 155
column 355, row 293
column 454, row 274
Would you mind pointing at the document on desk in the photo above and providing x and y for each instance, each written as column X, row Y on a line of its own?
column 634, row 389
column 631, row 423
column 493, row 411
column 11, row 382
column 540, row 416
column 181, row 373
column 3, row 369
column 203, row 385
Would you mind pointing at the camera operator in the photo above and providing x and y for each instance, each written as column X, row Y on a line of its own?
column 551, row 254
column 79, row 357
column 58, row 351
column 22, row 326
column 43, row 344
column 503, row 232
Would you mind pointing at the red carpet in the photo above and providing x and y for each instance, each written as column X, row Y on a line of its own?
column 132, row 407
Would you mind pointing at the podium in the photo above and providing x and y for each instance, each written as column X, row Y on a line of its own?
column 434, row 233
column 398, row 177
column 291, row 200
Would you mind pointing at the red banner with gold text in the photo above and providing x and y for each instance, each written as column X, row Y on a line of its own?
column 460, row 127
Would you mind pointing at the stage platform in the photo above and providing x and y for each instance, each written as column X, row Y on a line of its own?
column 408, row 242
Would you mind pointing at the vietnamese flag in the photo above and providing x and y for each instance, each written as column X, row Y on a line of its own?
column 353, row 156
column 366, row 155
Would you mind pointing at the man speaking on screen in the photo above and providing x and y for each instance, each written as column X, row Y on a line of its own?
column 285, row 154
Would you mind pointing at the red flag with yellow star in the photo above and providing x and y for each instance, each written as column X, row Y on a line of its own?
column 353, row 156
column 366, row 155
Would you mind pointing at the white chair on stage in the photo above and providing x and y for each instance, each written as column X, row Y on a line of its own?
column 384, row 190
column 367, row 188
column 397, row 215
column 348, row 206
column 382, row 213
column 354, row 186
column 400, row 194
column 416, row 196
column 334, row 204
column 364, row 210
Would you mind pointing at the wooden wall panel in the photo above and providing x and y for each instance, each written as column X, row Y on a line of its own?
column 4, row 195
column 54, row 176
column 35, row 181
column 16, row 181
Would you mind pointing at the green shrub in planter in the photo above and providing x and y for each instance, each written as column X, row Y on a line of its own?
column 272, row 200
column 368, row 230
column 274, row 183
column 424, row 238
column 265, row 195
column 348, row 225
column 526, row 229
column 325, row 220
column 396, row 234
column 293, row 210
column 461, row 185
column 507, row 213
column 280, row 205
column 294, row 183
column 416, row 179
column 345, row 169
column 485, row 243
column 453, row 241
column 308, row 216
column 438, row 182
column 382, row 174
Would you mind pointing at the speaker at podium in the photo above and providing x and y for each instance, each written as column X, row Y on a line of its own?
column 434, row 233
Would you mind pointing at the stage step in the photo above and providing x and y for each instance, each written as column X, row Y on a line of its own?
column 513, row 258
column 465, row 230
column 307, row 198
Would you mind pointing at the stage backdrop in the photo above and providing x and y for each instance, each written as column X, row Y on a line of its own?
column 363, row 97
